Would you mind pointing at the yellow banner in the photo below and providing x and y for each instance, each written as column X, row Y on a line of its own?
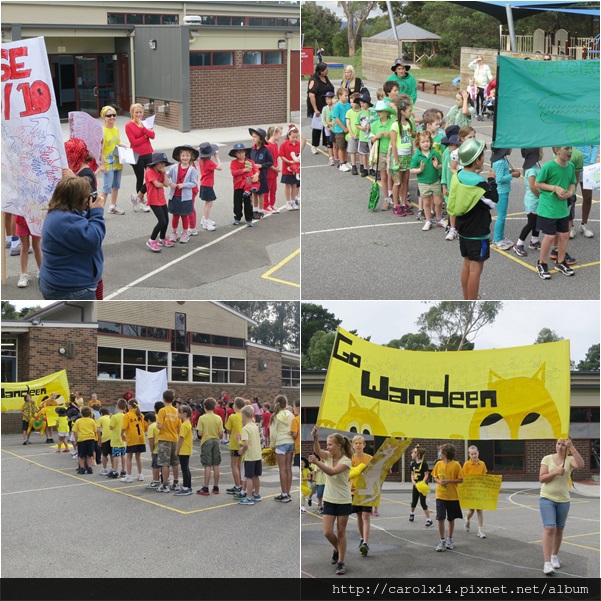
column 13, row 393
column 479, row 491
column 511, row 393
column 370, row 480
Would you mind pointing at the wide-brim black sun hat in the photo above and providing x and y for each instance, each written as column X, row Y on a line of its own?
column 176, row 151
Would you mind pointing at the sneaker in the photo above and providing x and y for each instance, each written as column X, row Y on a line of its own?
column 303, row 509
column 449, row 543
column 235, row 222
column 207, row 225
column 564, row 268
column 441, row 546
column 80, row 470
column 335, row 557
column 354, row 170
column 336, row 163
column 239, row 495
column 427, row 226
column 89, row 470
column 314, row 150
column 115, row 210
column 74, row 455
column 135, row 201
column 246, row 501
column 215, row 490
column 555, row 562
column 344, row 167
column 467, row 526
column 66, row 451
column 144, row 207
column 441, row 223
column 482, row 534
column 386, row 204
column 340, row 568
column 543, row 271
column 185, row 238
column 331, row 161
column 153, row 245
column 16, row 249
column 113, row 474
column 569, row 260
column 309, row 502
column 588, row 233
column 204, row 491
column 372, row 172
column 127, row 479
column 503, row 244
column 452, row 234
column 175, row 486
column 140, row 477
column 163, row 488
column 320, row 510
column 548, row 568
column 173, row 236
column 23, row 281
column 193, row 231
column 534, row 245
column 102, row 472
column 233, row 490
column 166, row 243
column 257, row 498
column 290, row 205
column 153, row 484
column 375, row 512
column 183, row 492
column 572, row 233
column 428, row 523
column 249, row 224
column 24, row 442
column 286, row 499
column 412, row 517
column 364, row 172
column 399, row 211
column 420, row 215
column 278, row 498
column 364, row 549
column 519, row 250
column 409, row 210
column 123, row 473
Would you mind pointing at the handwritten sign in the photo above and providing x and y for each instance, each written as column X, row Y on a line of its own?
column 88, row 129
column 590, row 177
column 32, row 146
column 479, row 491
column 369, row 482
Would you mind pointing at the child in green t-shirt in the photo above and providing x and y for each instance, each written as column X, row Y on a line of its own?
column 363, row 125
column 352, row 117
column 380, row 140
column 327, row 124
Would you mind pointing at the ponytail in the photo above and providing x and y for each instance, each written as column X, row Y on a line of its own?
column 134, row 405
column 344, row 443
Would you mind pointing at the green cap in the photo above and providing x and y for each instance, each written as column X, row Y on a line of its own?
column 469, row 151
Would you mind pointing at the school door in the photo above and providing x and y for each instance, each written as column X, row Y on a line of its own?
column 95, row 82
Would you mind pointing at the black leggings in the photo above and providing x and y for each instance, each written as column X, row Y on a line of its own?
column 479, row 101
column 530, row 227
column 422, row 499
column 184, row 464
column 316, row 134
column 160, row 229
column 139, row 169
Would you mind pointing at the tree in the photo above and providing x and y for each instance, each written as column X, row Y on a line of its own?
column 413, row 342
column 319, row 351
column 591, row 361
column 450, row 324
column 10, row 312
column 315, row 318
column 547, row 335
column 356, row 13
column 319, row 26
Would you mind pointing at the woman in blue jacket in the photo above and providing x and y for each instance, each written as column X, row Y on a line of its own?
column 72, row 236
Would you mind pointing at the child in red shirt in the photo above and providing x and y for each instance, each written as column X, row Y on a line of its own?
column 289, row 153
column 207, row 181
column 156, row 181
column 183, row 179
column 243, row 170
column 274, row 133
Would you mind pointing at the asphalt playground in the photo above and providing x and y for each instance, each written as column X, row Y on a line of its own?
column 512, row 549
column 54, row 519
column 236, row 262
column 352, row 253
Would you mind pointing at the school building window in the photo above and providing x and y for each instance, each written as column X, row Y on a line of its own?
column 121, row 364
column 584, row 415
column 141, row 19
column 132, row 330
column 222, row 21
column 268, row 57
column 9, row 359
column 290, row 376
column 211, row 59
column 502, row 455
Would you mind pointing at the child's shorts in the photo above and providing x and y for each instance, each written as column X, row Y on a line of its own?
column 341, row 141
column 426, row 190
column 474, row 250
column 352, row 145
column 62, row 434
column 382, row 163
column 571, row 206
column 72, row 437
column 85, row 448
column 112, row 180
column 106, row 448
column 448, row 510
column 166, row 454
column 118, row 451
column 155, row 461
column 22, row 229
column 234, row 453
column 320, row 488
column 209, row 453
column 337, row 508
column 363, row 148
column 283, row 449
column 552, row 226
column 332, row 138
column 207, row 193
column 253, row 469
column 136, row 448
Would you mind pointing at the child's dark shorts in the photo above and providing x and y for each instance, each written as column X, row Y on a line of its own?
column 474, row 250
column 341, row 141
column 207, row 193
column 106, row 448
column 85, row 448
column 552, row 226
column 253, row 469
column 155, row 461
column 448, row 510
column 337, row 508
column 234, row 453
column 571, row 206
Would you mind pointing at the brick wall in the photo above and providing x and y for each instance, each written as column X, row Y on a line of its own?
column 170, row 118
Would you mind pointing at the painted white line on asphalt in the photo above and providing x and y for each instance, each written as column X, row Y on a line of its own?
column 360, row 227
column 18, row 492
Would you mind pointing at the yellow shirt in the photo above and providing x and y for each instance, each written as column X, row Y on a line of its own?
column 234, row 425
column 185, row 432
column 279, row 428
column 295, row 427
column 111, row 141
column 117, row 425
column 63, row 424
column 447, row 471
column 557, row 489
column 250, row 432
column 170, row 422
column 104, row 423
column 358, row 461
column 469, row 467
column 210, row 425
column 153, row 438
column 85, row 427
column 338, row 487
column 134, row 427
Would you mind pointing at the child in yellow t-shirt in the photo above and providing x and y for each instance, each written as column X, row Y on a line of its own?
column 233, row 427
column 363, row 513
column 474, row 466
column 153, row 442
column 103, row 432
column 250, row 449
column 118, row 448
column 85, row 434
column 184, row 449
column 62, row 429
column 210, row 431
column 447, row 474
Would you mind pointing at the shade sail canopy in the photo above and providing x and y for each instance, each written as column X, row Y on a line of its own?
column 523, row 9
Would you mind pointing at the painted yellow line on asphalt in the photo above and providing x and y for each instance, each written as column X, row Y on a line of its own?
column 267, row 275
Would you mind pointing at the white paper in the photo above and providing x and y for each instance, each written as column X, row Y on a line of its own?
column 148, row 123
column 316, row 122
column 127, row 156
column 590, row 177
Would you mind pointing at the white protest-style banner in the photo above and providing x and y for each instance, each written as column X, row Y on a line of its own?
column 150, row 386
column 88, row 129
column 33, row 154
column 590, row 177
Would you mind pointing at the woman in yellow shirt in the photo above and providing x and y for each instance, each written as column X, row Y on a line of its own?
column 110, row 165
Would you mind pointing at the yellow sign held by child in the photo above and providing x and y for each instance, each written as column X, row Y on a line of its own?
column 479, row 491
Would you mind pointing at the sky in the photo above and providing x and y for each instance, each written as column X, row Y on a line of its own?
column 518, row 323
column 333, row 6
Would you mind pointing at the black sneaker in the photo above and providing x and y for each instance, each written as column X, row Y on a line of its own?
column 364, row 172
column 543, row 271
column 569, row 260
column 564, row 268
column 89, row 471
column 364, row 549
column 123, row 473
column 354, row 170
column 309, row 502
column 372, row 172
column 24, row 442
column 80, row 470
column 411, row 517
column 233, row 490
column 340, row 568
column 335, row 557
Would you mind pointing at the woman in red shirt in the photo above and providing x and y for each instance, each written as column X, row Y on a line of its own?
column 139, row 139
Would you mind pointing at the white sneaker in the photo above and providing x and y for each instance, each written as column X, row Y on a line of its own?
column 303, row 509
column 481, row 534
column 103, row 472
column 193, row 231
column 572, row 234
column 127, row 479
column 427, row 226
column 344, row 167
column 144, row 207
column 314, row 150
column 23, row 280
column 467, row 526
column 115, row 210
column 548, row 568
column 555, row 562
column 503, row 244
column 451, row 235
column 290, row 205
column 140, row 477
column 207, row 225
column 586, row 230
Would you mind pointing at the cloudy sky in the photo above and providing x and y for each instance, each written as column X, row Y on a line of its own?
column 333, row 6
column 518, row 323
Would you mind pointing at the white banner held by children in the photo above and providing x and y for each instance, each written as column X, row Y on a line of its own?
column 88, row 129
column 150, row 386
column 33, row 154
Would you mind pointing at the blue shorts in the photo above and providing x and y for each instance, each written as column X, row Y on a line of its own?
column 320, row 489
column 283, row 449
column 112, row 180
column 553, row 514
column 117, row 451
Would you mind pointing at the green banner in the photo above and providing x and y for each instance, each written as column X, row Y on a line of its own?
column 546, row 103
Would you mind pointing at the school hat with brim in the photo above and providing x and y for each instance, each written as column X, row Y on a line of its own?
column 207, row 150
column 454, row 139
column 469, row 151
column 328, row 95
column 237, row 148
column 365, row 98
column 530, row 156
column 178, row 149
column 159, row 157
column 451, row 130
column 259, row 131
column 498, row 153
column 399, row 62
column 383, row 107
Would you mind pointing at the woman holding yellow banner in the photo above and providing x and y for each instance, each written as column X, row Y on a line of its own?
column 335, row 463
column 28, row 413
column 555, row 476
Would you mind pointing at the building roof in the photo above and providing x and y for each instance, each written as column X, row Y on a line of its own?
column 407, row 32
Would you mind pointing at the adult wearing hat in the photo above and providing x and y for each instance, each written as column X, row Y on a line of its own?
column 240, row 169
column 482, row 77
column 318, row 85
column 156, row 182
column 139, row 138
column 262, row 158
column 504, row 174
column 404, row 79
